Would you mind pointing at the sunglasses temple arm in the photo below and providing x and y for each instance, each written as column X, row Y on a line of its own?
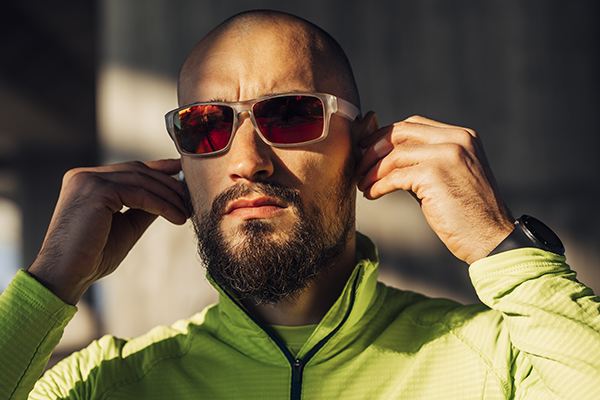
column 347, row 109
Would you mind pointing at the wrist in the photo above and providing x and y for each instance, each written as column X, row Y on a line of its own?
column 65, row 289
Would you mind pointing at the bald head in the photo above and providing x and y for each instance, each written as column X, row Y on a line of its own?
column 253, row 43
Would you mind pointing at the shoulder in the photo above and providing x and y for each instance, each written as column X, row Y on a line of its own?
column 159, row 343
column 111, row 362
column 424, row 310
column 474, row 325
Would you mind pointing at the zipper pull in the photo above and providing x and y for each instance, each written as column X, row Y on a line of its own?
column 297, row 371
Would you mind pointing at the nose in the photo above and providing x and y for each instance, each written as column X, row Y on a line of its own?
column 250, row 158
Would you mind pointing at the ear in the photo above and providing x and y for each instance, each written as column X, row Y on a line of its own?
column 362, row 128
column 365, row 126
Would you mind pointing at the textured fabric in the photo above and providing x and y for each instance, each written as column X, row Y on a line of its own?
column 32, row 321
column 536, row 337
column 293, row 337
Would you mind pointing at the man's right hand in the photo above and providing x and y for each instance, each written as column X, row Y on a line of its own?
column 89, row 234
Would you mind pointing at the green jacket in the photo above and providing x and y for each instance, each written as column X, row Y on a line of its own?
column 537, row 336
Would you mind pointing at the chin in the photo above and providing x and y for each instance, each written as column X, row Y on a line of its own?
column 267, row 229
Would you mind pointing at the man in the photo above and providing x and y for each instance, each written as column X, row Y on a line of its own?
column 272, row 146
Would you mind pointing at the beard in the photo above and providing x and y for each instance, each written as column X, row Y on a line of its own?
column 264, row 262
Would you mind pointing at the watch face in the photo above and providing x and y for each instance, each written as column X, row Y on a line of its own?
column 544, row 234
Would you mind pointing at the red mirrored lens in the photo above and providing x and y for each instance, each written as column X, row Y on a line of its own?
column 204, row 128
column 290, row 119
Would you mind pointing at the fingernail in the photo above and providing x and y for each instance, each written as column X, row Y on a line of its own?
column 381, row 148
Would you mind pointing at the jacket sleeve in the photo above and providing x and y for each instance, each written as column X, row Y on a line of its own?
column 32, row 321
column 553, row 322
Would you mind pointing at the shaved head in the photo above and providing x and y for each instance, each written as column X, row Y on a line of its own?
column 258, row 35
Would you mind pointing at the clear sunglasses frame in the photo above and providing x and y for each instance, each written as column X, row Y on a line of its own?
column 331, row 105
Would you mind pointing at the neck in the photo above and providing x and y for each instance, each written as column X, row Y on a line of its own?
column 310, row 306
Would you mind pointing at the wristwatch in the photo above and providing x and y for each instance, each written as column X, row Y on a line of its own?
column 531, row 232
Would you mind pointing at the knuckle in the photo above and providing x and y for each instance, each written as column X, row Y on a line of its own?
column 454, row 152
column 471, row 132
column 137, row 165
column 71, row 173
column 396, row 131
column 87, row 182
column 415, row 118
column 76, row 176
column 466, row 138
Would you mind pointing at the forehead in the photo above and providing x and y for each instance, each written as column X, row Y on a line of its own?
column 241, row 66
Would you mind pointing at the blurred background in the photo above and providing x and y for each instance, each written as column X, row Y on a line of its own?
column 84, row 83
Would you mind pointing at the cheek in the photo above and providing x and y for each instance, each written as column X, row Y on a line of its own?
column 202, row 184
column 320, row 174
column 333, row 162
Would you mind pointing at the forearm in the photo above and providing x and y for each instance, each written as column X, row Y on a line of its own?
column 552, row 318
column 32, row 321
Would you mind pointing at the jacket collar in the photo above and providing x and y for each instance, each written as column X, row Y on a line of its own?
column 347, row 314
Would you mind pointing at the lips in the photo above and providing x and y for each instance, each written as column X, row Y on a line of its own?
column 260, row 207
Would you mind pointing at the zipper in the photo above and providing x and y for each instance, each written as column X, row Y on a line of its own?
column 297, row 364
column 296, row 386
column 297, row 371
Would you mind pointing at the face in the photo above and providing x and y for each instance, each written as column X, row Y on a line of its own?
column 260, row 198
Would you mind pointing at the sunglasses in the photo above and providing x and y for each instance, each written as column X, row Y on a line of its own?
column 282, row 120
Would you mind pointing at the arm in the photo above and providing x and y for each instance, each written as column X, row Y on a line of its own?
column 88, row 237
column 32, row 321
column 552, row 319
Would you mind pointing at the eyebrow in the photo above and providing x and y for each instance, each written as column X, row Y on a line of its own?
column 265, row 94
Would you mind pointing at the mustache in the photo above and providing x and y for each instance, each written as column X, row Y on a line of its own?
column 276, row 190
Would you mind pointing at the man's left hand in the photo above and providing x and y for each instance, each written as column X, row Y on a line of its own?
column 446, row 170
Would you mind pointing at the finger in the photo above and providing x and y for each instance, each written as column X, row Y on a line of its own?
column 161, row 170
column 377, row 145
column 140, row 198
column 399, row 135
column 135, row 187
column 423, row 130
column 407, row 132
column 170, row 167
column 398, row 179
column 383, row 142
column 166, row 166
column 402, row 156
column 417, row 119
column 158, row 183
column 369, row 140
column 429, row 131
column 457, row 134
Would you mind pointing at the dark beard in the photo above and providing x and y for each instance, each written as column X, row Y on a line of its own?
column 261, row 268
